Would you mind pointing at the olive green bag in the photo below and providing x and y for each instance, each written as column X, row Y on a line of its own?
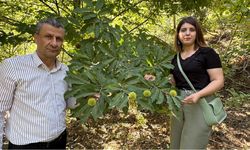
column 213, row 110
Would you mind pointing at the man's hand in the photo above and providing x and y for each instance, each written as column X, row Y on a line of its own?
column 71, row 103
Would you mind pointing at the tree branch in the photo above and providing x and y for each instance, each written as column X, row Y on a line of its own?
column 66, row 10
column 9, row 20
column 126, row 10
column 57, row 7
column 64, row 50
column 48, row 6
column 237, row 83
column 234, row 32
column 76, row 3
column 140, row 24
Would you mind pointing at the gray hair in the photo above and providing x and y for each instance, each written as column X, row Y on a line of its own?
column 50, row 21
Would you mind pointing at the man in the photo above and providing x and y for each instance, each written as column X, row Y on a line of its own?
column 32, row 89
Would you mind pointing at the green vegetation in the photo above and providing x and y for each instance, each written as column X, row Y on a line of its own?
column 112, row 44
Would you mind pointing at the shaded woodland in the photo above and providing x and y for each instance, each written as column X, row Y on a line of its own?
column 111, row 44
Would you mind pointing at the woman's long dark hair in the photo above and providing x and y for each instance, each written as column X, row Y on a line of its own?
column 199, row 39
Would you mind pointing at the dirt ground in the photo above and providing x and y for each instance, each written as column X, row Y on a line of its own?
column 118, row 132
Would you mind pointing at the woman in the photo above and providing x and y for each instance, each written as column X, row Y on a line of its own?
column 202, row 66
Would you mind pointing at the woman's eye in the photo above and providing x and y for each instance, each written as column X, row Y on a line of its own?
column 183, row 30
column 192, row 29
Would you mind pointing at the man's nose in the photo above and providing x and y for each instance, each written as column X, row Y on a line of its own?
column 53, row 41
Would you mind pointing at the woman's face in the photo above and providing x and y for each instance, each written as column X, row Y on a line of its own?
column 187, row 34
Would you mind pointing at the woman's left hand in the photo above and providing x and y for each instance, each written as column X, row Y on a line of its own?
column 191, row 99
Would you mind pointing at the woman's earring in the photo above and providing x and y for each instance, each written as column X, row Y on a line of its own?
column 178, row 42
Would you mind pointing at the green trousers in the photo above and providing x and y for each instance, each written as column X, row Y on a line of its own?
column 189, row 130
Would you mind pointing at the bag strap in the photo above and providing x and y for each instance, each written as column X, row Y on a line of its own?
column 207, row 111
column 183, row 73
column 202, row 100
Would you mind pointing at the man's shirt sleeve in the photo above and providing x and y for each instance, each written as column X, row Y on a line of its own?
column 7, row 89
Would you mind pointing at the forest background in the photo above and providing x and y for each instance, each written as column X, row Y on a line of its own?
column 111, row 44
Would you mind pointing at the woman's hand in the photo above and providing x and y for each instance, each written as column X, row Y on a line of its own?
column 191, row 99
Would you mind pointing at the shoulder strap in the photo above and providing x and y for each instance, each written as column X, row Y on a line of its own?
column 183, row 73
column 202, row 102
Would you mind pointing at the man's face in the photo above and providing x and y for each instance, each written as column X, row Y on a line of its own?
column 49, row 41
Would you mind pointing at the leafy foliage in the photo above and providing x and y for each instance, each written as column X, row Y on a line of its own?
column 113, row 44
column 237, row 98
column 232, row 23
column 111, row 62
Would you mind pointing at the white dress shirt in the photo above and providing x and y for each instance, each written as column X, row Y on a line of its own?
column 34, row 97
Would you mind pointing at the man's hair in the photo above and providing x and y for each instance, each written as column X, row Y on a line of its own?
column 50, row 21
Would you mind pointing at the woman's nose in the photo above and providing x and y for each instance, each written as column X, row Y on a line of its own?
column 187, row 32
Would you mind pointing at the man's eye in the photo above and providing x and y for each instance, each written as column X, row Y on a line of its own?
column 48, row 36
column 59, row 39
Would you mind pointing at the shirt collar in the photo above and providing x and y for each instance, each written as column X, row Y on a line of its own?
column 38, row 62
column 36, row 59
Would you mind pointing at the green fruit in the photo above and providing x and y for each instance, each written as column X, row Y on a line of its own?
column 147, row 93
column 132, row 96
column 173, row 93
column 91, row 101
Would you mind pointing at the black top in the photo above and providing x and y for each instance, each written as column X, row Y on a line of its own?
column 195, row 68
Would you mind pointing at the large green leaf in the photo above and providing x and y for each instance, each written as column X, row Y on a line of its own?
column 117, row 99
column 98, row 110
column 160, row 98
